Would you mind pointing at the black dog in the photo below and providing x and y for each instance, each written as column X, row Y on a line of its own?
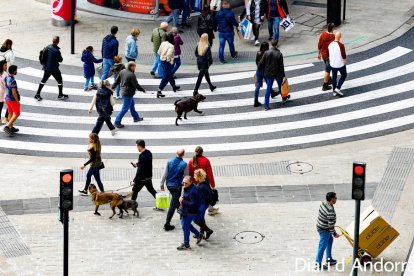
column 187, row 105
column 128, row 204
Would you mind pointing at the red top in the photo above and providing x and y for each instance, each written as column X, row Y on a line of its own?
column 324, row 40
column 203, row 163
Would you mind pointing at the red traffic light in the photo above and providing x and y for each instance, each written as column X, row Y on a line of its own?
column 358, row 170
column 66, row 178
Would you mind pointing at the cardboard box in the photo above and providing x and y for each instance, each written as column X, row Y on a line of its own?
column 382, row 242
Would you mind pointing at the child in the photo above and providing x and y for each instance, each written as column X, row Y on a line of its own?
column 89, row 67
column 118, row 66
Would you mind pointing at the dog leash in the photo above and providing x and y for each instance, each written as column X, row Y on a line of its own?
column 130, row 185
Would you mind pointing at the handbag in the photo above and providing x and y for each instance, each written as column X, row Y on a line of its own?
column 213, row 197
column 285, row 89
column 162, row 200
column 287, row 23
column 102, row 166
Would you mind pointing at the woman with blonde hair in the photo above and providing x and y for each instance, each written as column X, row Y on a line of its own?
column 204, row 61
column 131, row 45
column 204, row 189
column 95, row 161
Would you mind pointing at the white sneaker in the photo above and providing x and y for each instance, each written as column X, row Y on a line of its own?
column 114, row 131
column 257, row 43
column 339, row 92
column 252, row 38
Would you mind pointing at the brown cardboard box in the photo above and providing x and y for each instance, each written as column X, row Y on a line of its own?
column 382, row 242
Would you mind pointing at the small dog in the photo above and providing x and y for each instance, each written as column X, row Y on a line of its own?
column 99, row 198
column 128, row 204
column 187, row 105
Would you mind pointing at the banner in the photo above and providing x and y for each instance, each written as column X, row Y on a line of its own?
column 136, row 6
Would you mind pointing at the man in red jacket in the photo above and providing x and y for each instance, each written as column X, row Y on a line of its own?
column 324, row 40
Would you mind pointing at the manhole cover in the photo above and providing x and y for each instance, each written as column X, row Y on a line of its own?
column 300, row 167
column 249, row 237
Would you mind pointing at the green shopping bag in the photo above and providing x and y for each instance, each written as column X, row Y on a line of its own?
column 162, row 200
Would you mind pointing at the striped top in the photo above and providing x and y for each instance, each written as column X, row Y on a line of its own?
column 326, row 218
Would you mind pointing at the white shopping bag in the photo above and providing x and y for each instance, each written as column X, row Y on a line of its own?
column 246, row 29
column 287, row 23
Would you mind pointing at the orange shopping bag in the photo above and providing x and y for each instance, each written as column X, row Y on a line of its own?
column 285, row 89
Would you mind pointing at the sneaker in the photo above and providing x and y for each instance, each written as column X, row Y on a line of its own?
column 169, row 227
column 334, row 94
column 139, row 120
column 83, row 192
column 236, row 55
column 38, row 98
column 257, row 104
column 7, row 130
column 152, row 73
column 94, row 87
column 158, row 209
column 114, row 131
column 266, row 108
column 14, row 130
column 84, row 90
column 222, row 62
column 331, row 262
column 257, row 43
column 183, row 247
column 176, row 88
column 199, row 239
column 120, row 126
column 63, row 97
column 339, row 92
column 208, row 234
column 326, row 87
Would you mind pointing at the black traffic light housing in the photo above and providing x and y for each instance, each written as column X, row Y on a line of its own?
column 66, row 190
column 358, row 180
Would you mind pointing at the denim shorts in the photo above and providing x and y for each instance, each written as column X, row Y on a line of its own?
column 327, row 65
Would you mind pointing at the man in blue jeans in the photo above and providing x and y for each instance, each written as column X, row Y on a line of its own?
column 109, row 51
column 277, row 10
column 174, row 173
column 226, row 21
column 326, row 229
column 129, row 84
column 176, row 6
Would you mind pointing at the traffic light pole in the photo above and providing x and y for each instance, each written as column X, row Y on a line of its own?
column 356, row 237
column 72, row 27
column 65, row 243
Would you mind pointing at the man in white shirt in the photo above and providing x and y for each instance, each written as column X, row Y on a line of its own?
column 337, row 60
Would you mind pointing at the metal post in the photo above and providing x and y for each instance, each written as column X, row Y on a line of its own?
column 65, row 243
column 157, row 8
column 356, row 236
column 343, row 17
column 72, row 27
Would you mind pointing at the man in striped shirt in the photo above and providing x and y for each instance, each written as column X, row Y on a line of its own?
column 326, row 229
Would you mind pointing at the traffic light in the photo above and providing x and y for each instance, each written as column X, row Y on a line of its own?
column 66, row 190
column 358, row 181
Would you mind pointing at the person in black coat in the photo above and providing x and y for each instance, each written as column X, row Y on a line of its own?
column 204, row 61
column 206, row 24
column 203, row 186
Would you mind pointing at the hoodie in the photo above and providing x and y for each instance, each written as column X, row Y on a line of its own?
column 109, row 47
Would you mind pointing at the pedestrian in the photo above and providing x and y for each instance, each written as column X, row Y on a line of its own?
column 3, row 75
column 200, row 177
column 256, row 10
column 178, row 41
column 131, row 45
column 201, row 162
column 129, row 85
column 166, row 53
column 53, row 57
column 95, row 162
column 143, row 177
column 7, row 53
column 326, row 228
column 176, row 7
column 174, row 172
column 116, row 69
column 324, row 40
column 104, row 102
column 158, row 36
column 109, row 51
column 276, row 11
column 189, row 205
column 264, row 46
column 215, row 6
column 12, row 100
column 206, row 25
column 225, row 24
column 89, row 68
column 186, row 14
column 274, row 70
column 204, row 61
column 337, row 61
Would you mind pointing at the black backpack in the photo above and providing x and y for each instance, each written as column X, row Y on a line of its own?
column 103, row 101
column 43, row 56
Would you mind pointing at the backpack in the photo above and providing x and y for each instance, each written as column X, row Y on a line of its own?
column 43, row 56
column 103, row 101
column 203, row 27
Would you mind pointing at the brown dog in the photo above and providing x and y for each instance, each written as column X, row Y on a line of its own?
column 128, row 204
column 99, row 198
column 187, row 105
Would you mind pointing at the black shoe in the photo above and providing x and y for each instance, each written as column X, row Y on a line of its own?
column 270, row 38
column 199, row 239
column 176, row 88
column 212, row 88
column 83, row 192
column 180, row 31
column 326, row 87
column 138, row 120
column 183, row 247
column 236, row 55
column 169, row 227
column 152, row 74
column 158, row 209
column 14, row 130
column 267, row 108
column 208, row 234
column 94, row 87
column 285, row 99
column 38, row 98
column 273, row 93
column 7, row 130
column 63, row 97
column 331, row 262
column 257, row 104
column 120, row 126
column 160, row 95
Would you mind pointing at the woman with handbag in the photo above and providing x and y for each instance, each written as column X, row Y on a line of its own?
column 256, row 10
column 96, row 164
column 200, row 177
column 259, row 72
column 204, row 61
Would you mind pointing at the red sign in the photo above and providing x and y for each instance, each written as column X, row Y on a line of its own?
column 61, row 10
column 136, row 6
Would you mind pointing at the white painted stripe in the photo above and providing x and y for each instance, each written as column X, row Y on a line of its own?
column 254, row 115
column 369, row 79
column 224, row 147
column 30, row 71
column 224, row 132
column 248, row 88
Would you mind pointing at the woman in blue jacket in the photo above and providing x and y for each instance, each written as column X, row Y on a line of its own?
column 89, row 67
column 203, row 186
column 131, row 46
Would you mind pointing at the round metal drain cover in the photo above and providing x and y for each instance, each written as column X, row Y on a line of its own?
column 300, row 167
column 249, row 237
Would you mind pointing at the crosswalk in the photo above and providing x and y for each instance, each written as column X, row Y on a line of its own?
column 378, row 100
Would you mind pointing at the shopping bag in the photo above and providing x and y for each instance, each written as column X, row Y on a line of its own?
column 246, row 29
column 287, row 23
column 285, row 89
column 162, row 200
column 99, row 70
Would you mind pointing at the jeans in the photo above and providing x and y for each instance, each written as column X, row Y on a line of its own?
column 168, row 75
column 343, row 72
column 223, row 37
column 128, row 103
column 131, row 59
column 87, row 81
column 269, row 83
column 138, row 187
column 103, row 117
column 177, row 64
column 157, row 65
column 107, row 64
column 95, row 172
column 273, row 26
column 174, row 204
column 175, row 14
column 259, row 83
column 325, row 243
column 187, row 227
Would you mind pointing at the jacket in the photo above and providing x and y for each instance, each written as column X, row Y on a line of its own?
column 118, row 67
column 174, row 172
column 177, row 44
column 88, row 64
column 206, row 24
column 203, row 163
column 226, row 21
column 205, row 61
column 277, row 8
column 166, row 52
column 324, row 40
column 259, row 56
column 94, row 158
column 273, row 63
column 144, row 166
column 105, row 98
column 131, row 47
column 54, row 57
column 205, row 192
column 8, row 55
column 252, row 9
column 326, row 218
column 110, row 47
column 157, row 37
column 129, row 83
column 191, row 201
column 176, row 4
